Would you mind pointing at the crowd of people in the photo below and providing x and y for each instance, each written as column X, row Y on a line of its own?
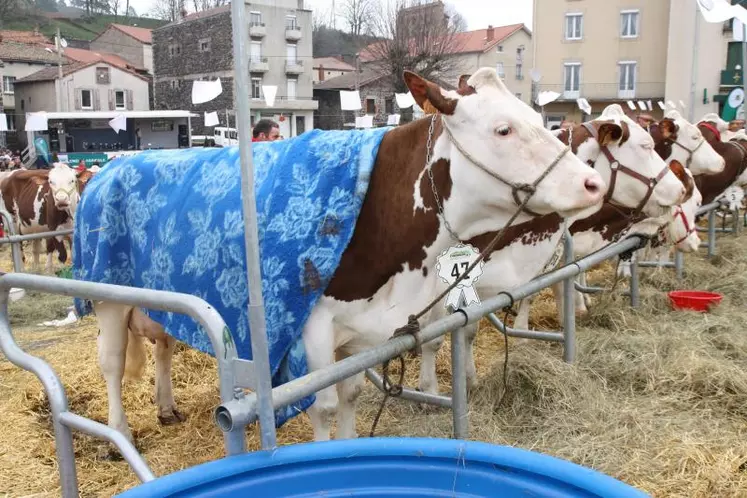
column 10, row 160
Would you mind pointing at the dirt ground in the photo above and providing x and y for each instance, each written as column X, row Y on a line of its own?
column 657, row 398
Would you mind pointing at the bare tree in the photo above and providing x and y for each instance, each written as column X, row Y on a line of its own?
column 167, row 10
column 419, row 38
column 357, row 15
column 201, row 5
column 114, row 7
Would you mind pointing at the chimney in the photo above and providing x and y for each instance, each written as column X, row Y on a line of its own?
column 321, row 72
column 491, row 32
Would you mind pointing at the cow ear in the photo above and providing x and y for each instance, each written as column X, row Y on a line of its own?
column 609, row 133
column 428, row 95
column 668, row 128
column 680, row 172
column 84, row 176
column 39, row 180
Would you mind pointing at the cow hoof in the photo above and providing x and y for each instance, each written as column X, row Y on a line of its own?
column 173, row 418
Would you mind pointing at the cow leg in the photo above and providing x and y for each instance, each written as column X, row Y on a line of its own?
column 167, row 412
column 319, row 342
column 348, row 392
column 470, row 331
column 583, row 300
column 428, row 382
column 112, row 346
column 522, row 317
column 557, row 292
column 36, row 246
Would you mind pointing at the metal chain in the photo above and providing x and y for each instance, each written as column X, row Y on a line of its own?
column 429, row 167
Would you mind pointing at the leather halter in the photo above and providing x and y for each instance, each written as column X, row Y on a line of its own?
column 616, row 166
column 712, row 128
column 679, row 212
column 690, row 152
column 734, row 142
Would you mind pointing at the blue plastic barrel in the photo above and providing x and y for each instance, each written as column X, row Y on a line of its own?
column 390, row 468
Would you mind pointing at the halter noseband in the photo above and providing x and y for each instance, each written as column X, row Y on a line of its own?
column 679, row 212
column 616, row 166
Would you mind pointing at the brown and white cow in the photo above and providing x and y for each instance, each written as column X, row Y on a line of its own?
column 612, row 138
column 41, row 201
column 481, row 133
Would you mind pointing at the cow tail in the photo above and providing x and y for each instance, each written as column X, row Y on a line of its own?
column 135, row 357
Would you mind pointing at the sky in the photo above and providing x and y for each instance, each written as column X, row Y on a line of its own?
column 478, row 13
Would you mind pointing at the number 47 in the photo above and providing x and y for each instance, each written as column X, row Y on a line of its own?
column 455, row 269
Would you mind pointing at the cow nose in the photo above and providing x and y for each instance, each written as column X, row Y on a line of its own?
column 594, row 186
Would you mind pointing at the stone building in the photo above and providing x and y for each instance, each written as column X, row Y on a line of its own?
column 200, row 47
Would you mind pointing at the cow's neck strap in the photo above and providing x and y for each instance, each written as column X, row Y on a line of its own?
column 616, row 166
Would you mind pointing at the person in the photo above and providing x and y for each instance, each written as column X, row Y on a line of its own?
column 266, row 130
column 81, row 167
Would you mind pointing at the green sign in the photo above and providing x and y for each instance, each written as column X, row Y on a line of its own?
column 89, row 157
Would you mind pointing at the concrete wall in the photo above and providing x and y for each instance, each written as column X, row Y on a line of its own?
column 18, row 70
column 710, row 60
column 33, row 97
column 116, row 42
column 519, row 86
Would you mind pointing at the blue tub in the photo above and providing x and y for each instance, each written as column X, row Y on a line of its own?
column 390, row 468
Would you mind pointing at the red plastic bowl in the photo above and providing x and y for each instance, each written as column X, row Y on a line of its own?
column 694, row 300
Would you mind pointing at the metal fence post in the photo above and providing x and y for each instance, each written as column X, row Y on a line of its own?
column 569, row 301
column 16, row 249
column 711, row 233
column 635, row 298
column 679, row 264
column 459, row 403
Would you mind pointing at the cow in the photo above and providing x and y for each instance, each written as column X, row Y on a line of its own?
column 484, row 143
column 41, row 201
column 734, row 153
column 58, row 243
column 675, row 138
column 612, row 138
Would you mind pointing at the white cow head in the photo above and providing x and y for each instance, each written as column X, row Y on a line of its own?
column 722, row 126
column 682, row 229
column 641, row 175
column 63, row 186
column 688, row 145
column 496, row 142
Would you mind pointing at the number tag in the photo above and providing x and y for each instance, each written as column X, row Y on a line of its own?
column 734, row 195
column 451, row 265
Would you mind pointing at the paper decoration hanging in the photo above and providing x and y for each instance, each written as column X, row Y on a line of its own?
column 584, row 105
column 544, row 98
column 393, row 120
column 118, row 123
column 211, row 118
column 661, row 105
column 682, row 104
column 641, row 105
column 269, row 91
column 205, row 91
column 3, row 122
column 350, row 101
column 404, row 100
column 649, row 105
column 36, row 121
column 631, row 105
column 364, row 121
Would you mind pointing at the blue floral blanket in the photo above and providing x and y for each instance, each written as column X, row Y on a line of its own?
column 172, row 220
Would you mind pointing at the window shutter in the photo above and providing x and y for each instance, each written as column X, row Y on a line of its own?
column 112, row 103
column 128, row 96
column 78, row 100
column 96, row 101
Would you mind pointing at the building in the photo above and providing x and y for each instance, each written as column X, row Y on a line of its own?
column 19, row 60
column 508, row 49
column 93, row 86
column 620, row 50
column 200, row 46
column 131, row 43
column 326, row 68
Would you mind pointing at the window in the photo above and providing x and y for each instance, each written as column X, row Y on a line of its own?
column 518, row 96
column 119, row 100
column 499, row 69
column 86, row 99
column 519, row 72
column 291, row 22
column 626, row 88
column 255, row 19
column 174, row 84
column 256, row 88
column 175, row 49
column 629, row 24
column 9, row 83
column 11, row 122
column 574, row 26
column 256, row 52
column 389, row 106
column 572, row 79
column 370, row 106
column 292, row 83
column 102, row 75
column 292, row 53
column 204, row 45
column 500, row 48
column 300, row 124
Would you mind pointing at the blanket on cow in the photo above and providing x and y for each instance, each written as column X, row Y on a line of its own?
column 172, row 220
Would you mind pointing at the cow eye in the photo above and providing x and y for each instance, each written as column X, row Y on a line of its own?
column 503, row 130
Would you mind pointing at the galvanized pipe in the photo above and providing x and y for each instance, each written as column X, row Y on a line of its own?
column 459, row 402
column 55, row 394
column 635, row 299
column 569, row 301
column 125, row 447
column 238, row 413
column 679, row 264
column 11, row 239
column 15, row 249
column 524, row 334
column 410, row 394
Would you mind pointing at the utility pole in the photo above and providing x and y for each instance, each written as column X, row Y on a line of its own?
column 58, row 46
column 744, row 71
column 694, row 70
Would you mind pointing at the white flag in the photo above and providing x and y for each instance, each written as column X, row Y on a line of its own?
column 211, row 118
column 350, row 101
column 205, row 91
column 393, row 120
column 36, row 121
column 404, row 100
column 269, row 92
column 3, row 122
column 118, row 123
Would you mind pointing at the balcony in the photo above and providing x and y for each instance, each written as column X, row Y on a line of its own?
column 730, row 77
column 292, row 33
column 257, row 30
column 293, row 67
column 258, row 65
column 607, row 92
